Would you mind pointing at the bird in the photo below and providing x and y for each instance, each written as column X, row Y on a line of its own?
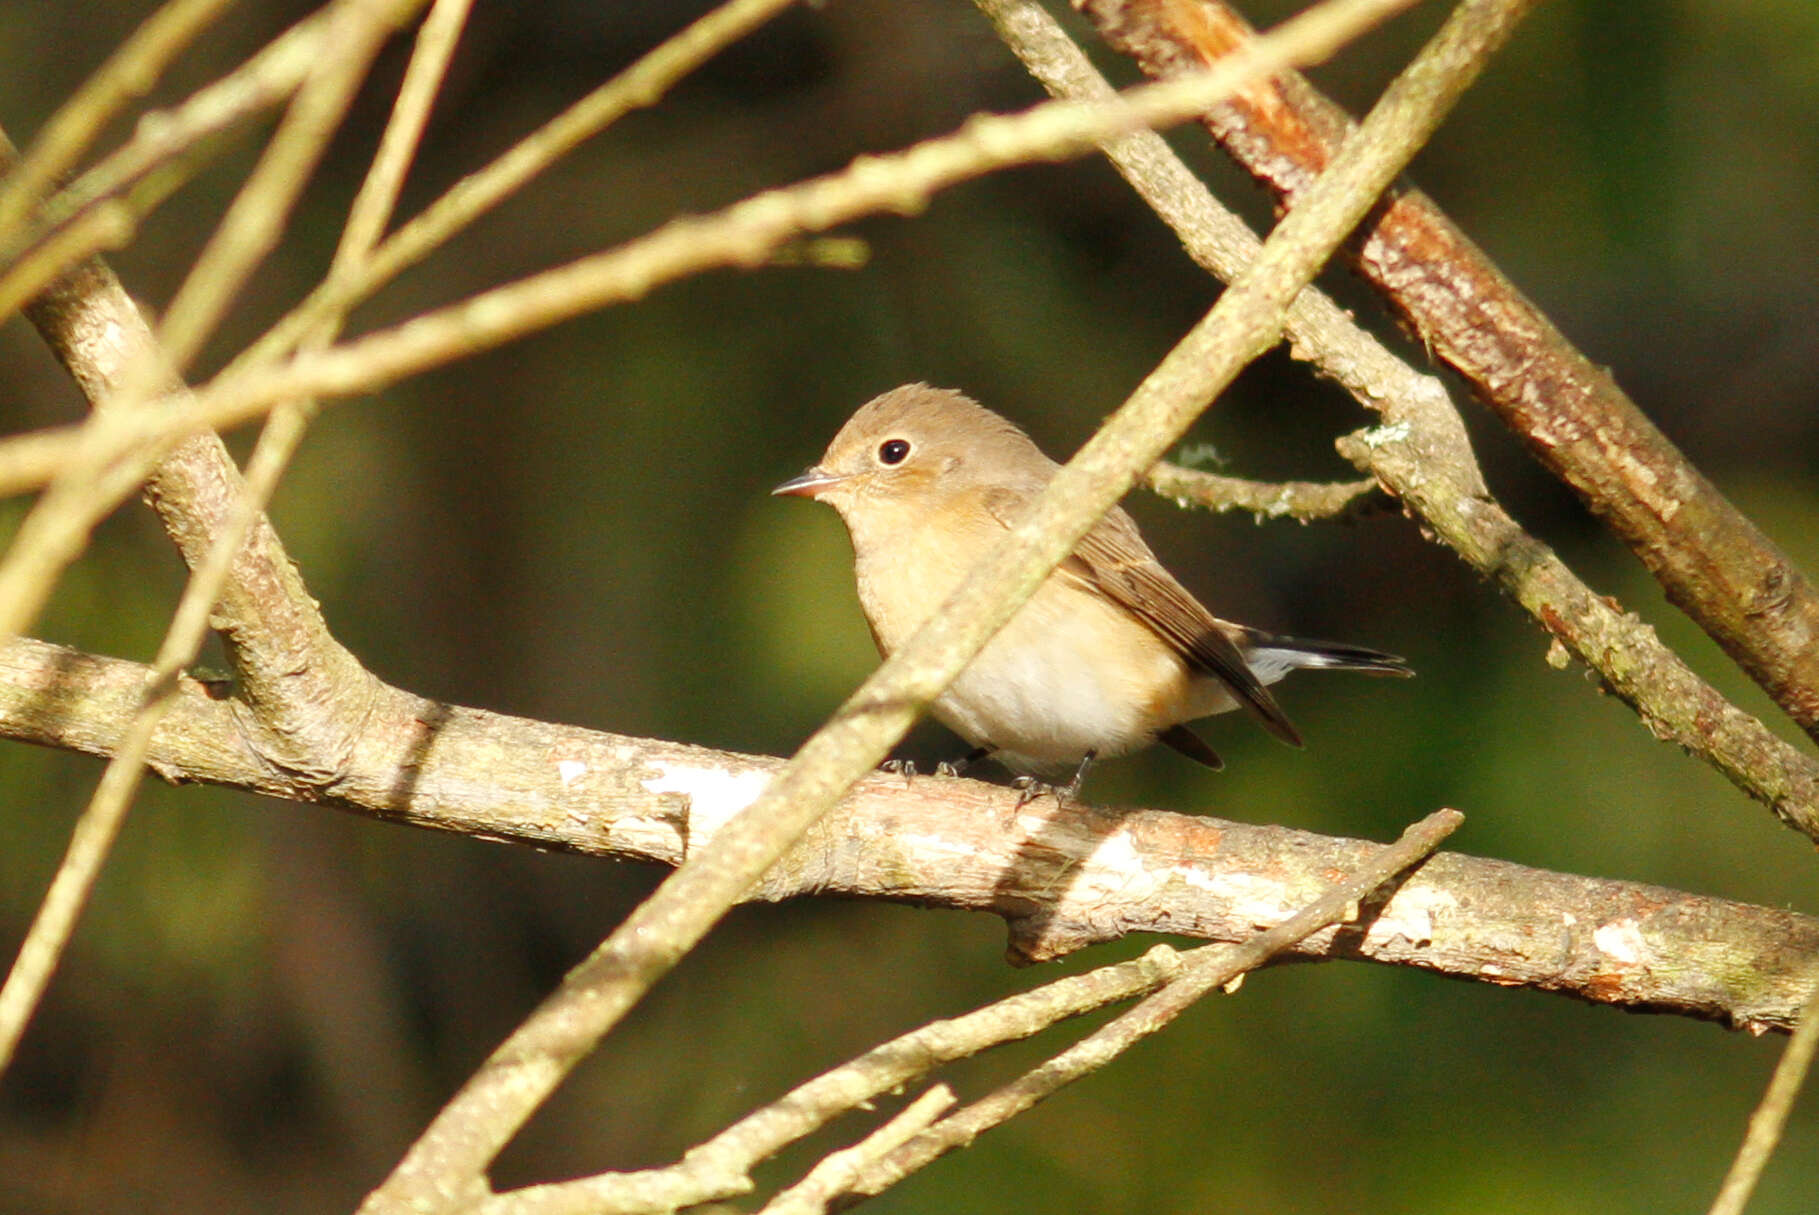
column 1109, row 655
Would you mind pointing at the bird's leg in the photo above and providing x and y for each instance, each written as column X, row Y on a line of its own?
column 1029, row 788
column 956, row 767
column 1072, row 787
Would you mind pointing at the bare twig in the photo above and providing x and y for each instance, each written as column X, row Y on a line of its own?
column 128, row 73
column 175, row 136
column 641, row 84
column 1423, row 455
column 109, row 225
column 100, row 820
column 356, row 30
column 721, row 1167
column 741, row 235
column 58, row 525
column 836, row 1173
column 1205, row 970
column 1303, row 500
column 1770, row 1117
column 1714, row 563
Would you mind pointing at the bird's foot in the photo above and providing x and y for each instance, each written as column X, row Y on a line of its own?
column 905, row 768
column 1029, row 788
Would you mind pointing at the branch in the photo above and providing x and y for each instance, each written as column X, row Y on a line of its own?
column 641, row 84
column 1062, row 880
column 164, row 138
column 1423, row 455
column 51, row 533
column 1769, row 1119
column 1303, row 500
column 1714, row 563
column 838, row 1172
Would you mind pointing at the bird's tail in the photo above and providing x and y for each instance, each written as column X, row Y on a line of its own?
column 1272, row 656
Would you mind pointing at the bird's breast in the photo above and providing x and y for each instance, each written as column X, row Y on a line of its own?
column 1071, row 672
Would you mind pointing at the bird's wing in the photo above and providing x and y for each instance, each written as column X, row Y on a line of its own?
column 1113, row 559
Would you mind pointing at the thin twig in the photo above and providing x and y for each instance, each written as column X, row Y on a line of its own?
column 57, row 528
column 1770, row 1117
column 108, row 226
column 641, row 84
column 1204, row 970
column 447, row 1164
column 835, row 1174
column 251, row 227
column 129, row 72
column 100, row 821
column 743, row 234
column 1303, row 500
column 1423, row 455
column 176, row 136
column 722, row 1166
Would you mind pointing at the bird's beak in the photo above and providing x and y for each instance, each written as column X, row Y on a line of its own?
column 809, row 483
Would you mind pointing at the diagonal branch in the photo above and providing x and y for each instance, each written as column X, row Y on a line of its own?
column 744, row 234
column 212, row 556
column 641, row 84
column 174, row 140
column 1714, row 563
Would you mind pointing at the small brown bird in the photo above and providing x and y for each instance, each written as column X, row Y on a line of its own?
column 1109, row 655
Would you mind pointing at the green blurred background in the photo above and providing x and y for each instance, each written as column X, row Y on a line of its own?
column 266, row 1001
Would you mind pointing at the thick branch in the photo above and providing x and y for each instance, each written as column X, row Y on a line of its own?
column 1713, row 562
column 1061, row 879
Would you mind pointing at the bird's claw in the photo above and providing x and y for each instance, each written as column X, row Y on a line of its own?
column 1029, row 789
column 905, row 768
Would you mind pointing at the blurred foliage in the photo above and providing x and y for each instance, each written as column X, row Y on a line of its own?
column 266, row 1001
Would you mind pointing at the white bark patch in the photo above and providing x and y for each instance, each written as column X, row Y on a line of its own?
column 1411, row 915
column 1115, row 870
column 714, row 794
column 1621, row 941
column 1258, row 900
column 568, row 771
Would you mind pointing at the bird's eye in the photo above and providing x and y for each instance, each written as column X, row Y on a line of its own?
column 893, row 451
